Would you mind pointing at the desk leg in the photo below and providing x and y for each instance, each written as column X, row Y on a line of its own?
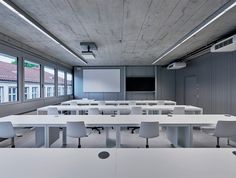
column 117, row 136
column 64, row 141
column 46, row 136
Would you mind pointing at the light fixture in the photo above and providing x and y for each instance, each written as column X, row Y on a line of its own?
column 192, row 33
column 15, row 9
column 87, row 47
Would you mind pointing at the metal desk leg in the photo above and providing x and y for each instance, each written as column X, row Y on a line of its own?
column 46, row 136
column 64, row 138
column 117, row 136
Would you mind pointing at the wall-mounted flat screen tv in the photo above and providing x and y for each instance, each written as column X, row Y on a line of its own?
column 140, row 84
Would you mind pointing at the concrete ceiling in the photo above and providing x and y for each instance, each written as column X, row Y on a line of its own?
column 127, row 32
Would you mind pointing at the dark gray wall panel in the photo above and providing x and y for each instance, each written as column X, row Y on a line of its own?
column 216, row 84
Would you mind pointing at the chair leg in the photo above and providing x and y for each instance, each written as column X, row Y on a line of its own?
column 218, row 142
column 147, row 145
column 228, row 142
column 79, row 144
column 13, row 142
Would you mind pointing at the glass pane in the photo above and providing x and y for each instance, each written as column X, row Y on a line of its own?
column 8, row 78
column 49, row 82
column 61, row 82
column 32, row 80
column 69, row 83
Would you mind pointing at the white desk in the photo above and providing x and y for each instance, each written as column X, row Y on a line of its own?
column 122, row 163
column 120, row 102
column 121, row 108
column 178, row 138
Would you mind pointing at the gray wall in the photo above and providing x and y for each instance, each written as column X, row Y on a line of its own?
column 165, row 83
column 216, row 82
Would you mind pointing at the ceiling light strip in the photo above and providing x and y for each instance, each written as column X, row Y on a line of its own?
column 37, row 26
column 195, row 32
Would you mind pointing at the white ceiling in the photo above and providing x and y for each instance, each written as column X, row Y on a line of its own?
column 127, row 32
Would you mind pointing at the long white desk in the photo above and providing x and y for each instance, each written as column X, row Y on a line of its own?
column 181, row 137
column 122, row 108
column 122, row 163
column 120, row 102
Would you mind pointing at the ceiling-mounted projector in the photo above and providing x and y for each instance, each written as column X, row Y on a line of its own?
column 176, row 65
column 87, row 47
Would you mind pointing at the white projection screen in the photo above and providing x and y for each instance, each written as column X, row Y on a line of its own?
column 101, row 80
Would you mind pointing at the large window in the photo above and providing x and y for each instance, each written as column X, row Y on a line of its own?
column 49, row 82
column 8, row 78
column 1, row 94
column 12, row 93
column 32, row 79
column 69, row 83
column 61, row 83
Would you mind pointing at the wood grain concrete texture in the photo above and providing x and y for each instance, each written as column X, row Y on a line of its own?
column 127, row 32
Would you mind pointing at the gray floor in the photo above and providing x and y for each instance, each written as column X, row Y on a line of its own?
column 128, row 140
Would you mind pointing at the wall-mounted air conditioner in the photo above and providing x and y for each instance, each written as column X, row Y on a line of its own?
column 176, row 65
column 226, row 45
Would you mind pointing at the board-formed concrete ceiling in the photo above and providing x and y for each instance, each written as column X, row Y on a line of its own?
column 127, row 32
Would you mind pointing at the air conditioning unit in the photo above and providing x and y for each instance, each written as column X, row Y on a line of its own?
column 226, row 45
column 176, row 65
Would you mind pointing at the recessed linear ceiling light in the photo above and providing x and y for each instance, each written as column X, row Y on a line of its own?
column 200, row 28
column 11, row 6
column 88, row 46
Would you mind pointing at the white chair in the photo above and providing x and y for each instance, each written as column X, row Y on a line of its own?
column 76, row 130
column 179, row 110
column 52, row 111
column 224, row 129
column 7, row 131
column 94, row 111
column 135, row 110
column 149, row 130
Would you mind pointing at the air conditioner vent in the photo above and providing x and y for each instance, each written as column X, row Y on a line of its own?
column 226, row 45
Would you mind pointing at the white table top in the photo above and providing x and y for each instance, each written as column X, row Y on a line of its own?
column 122, row 163
column 61, row 120
column 120, row 101
column 119, row 107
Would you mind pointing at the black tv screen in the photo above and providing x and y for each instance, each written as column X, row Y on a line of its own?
column 140, row 84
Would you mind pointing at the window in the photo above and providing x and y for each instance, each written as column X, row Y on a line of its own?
column 35, row 92
column 69, row 83
column 12, row 94
column 26, row 93
column 8, row 78
column 1, row 94
column 61, row 83
column 49, row 82
column 32, row 78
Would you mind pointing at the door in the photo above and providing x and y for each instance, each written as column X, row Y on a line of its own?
column 191, row 90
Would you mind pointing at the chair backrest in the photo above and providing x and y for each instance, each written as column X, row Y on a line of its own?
column 84, row 98
column 76, row 129
column 149, row 129
column 136, row 110
column 93, row 111
column 6, row 130
column 52, row 111
column 73, row 103
column 179, row 110
column 132, row 103
column 225, row 129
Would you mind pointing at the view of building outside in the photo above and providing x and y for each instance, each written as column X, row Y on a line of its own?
column 49, row 82
column 31, row 80
column 8, row 78
column 61, row 83
column 69, row 83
